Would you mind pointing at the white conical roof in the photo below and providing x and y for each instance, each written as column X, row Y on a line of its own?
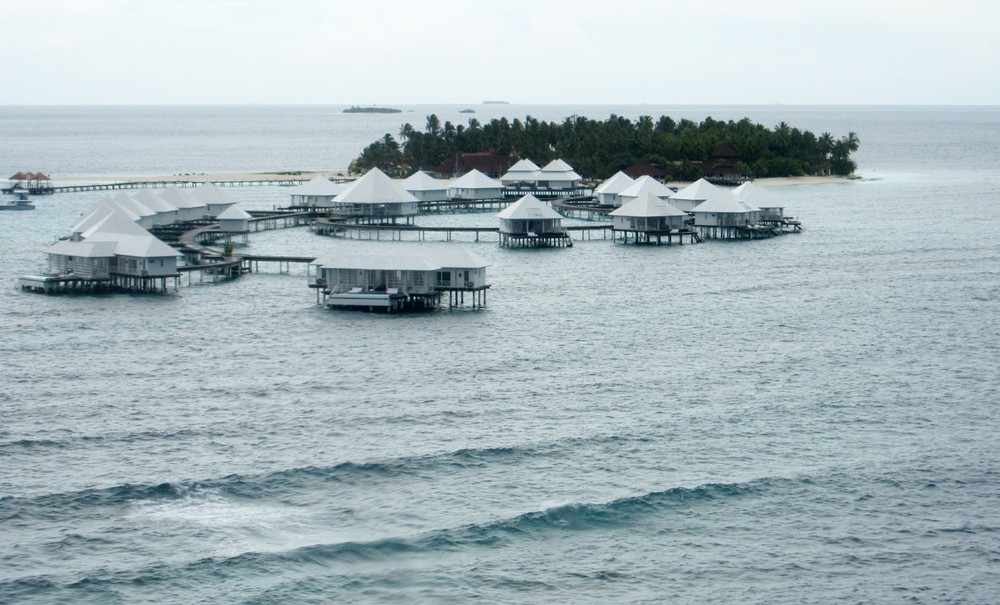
column 528, row 207
column 130, row 239
column 93, row 216
column 421, row 181
column 151, row 200
column 757, row 196
column 209, row 193
column 117, row 222
column 724, row 201
column 698, row 190
column 132, row 205
column 374, row 188
column 557, row 166
column 82, row 248
column 318, row 186
column 616, row 184
column 234, row 212
column 648, row 205
column 646, row 184
column 558, row 170
column 181, row 199
column 523, row 170
column 474, row 179
column 524, row 165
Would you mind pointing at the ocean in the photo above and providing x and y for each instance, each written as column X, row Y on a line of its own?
column 806, row 419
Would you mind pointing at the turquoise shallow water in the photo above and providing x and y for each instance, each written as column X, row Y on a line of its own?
column 810, row 418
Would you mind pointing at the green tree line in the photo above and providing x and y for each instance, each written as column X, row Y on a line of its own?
column 597, row 149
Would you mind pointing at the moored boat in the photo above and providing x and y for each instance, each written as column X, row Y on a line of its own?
column 20, row 202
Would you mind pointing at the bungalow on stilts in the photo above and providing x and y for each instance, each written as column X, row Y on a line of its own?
column 529, row 223
column 399, row 282
column 375, row 198
column 649, row 219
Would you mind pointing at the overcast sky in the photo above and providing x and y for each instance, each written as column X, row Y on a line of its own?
column 538, row 51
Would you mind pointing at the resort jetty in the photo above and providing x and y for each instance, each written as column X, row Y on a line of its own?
column 34, row 183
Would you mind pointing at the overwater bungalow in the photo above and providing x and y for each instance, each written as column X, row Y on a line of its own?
column 688, row 197
column 608, row 192
column 402, row 280
column 234, row 221
column 166, row 213
column 771, row 210
column 528, row 222
column 319, row 191
column 375, row 198
column 188, row 207
column 724, row 215
column 642, row 186
column 112, row 251
column 475, row 185
column 559, row 175
column 522, row 175
column 216, row 199
column 650, row 219
column 144, row 216
column 425, row 188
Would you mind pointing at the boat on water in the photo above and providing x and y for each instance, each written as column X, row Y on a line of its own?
column 20, row 202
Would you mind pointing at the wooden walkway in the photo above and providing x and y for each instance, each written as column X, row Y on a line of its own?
column 159, row 184
column 324, row 226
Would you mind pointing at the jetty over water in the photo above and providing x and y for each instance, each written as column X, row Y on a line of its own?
column 163, row 183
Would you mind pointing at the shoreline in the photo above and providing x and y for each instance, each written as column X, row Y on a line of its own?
column 342, row 173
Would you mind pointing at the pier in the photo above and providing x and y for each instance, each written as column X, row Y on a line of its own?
column 378, row 232
column 161, row 184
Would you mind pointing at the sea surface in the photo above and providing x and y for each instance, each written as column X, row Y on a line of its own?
column 806, row 419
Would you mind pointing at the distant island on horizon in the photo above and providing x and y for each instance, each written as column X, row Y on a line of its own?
column 495, row 103
column 372, row 109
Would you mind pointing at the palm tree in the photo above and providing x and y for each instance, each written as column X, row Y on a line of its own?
column 405, row 130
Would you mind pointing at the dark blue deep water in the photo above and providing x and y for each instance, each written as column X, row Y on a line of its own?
column 807, row 419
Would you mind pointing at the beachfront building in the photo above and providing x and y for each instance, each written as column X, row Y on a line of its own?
column 375, row 198
column 425, row 188
column 319, row 191
column 401, row 280
column 649, row 219
column 642, row 186
column 558, row 175
column 475, row 185
column 188, row 207
column 522, row 175
column 608, row 192
column 687, row 198
column 215, row 198
column 530, row 223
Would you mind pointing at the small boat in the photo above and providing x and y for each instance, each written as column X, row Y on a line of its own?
column 20, row 202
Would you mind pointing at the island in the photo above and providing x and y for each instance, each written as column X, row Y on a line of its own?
column 724, row 152
column 467, row 111
column 372, row 109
